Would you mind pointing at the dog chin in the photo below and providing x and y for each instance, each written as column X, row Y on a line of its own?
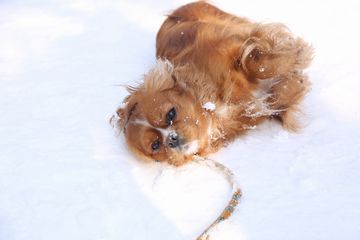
column 191, row 148
column 183, row 153
column 179, row 160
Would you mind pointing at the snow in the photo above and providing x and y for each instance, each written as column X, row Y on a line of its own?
column 209, row 106
column 64, row 174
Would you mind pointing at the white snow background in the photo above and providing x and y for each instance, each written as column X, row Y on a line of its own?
column 65, row 175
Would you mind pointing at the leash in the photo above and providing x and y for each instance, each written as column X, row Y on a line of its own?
column 236, row 194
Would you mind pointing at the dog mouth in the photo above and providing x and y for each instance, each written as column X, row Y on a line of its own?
column 174, row 141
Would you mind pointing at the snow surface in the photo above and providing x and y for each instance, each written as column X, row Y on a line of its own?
column 209, row 106
column 65, row 175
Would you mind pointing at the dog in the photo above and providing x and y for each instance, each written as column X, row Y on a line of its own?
column 217, row 76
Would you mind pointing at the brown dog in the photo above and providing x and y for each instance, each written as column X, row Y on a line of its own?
column 217, row 76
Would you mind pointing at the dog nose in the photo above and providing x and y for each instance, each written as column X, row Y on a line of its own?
column 173, row 140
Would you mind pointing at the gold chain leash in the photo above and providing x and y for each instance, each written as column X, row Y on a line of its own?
column 230, row 207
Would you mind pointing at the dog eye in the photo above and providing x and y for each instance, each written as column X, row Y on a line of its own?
column 155, row 145
column 170, row 116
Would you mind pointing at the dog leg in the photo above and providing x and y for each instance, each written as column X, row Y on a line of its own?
column 271, row 52
column 286, row 97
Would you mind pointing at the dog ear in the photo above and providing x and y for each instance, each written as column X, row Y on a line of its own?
column 120, row 119
column 117, row 120
column 158, row 78
column 179, row 86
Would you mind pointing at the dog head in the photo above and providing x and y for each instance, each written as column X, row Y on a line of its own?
column 162, row 120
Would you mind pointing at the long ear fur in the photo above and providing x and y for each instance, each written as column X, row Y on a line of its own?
column 157, row 79
column 120, row 119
